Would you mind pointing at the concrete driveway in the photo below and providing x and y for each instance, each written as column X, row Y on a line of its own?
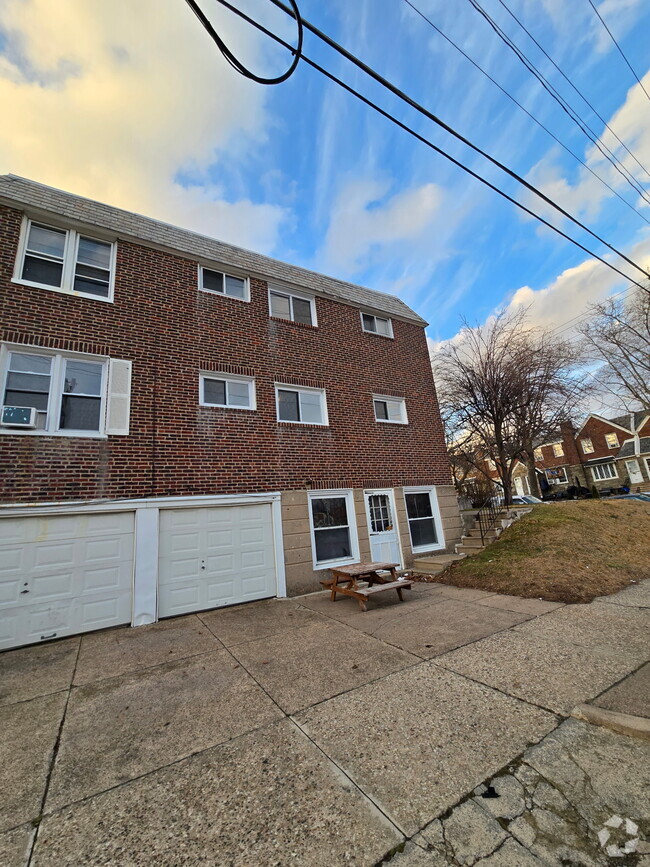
column 303, row 732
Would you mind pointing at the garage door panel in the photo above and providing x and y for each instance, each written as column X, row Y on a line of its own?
column 235, row 546
column 77, row 571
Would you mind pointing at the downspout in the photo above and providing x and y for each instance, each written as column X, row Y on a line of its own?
column 637, row 438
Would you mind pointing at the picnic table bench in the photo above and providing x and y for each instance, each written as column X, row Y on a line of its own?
column 345, row 580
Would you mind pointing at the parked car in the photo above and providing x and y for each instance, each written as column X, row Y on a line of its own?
column 519, row 500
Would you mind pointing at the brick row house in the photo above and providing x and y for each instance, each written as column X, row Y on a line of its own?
column 186, row 424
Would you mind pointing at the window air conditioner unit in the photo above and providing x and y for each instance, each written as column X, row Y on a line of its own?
column 19, row 416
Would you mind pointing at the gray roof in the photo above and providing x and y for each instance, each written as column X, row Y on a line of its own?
column 624, row 420
column 627, row 449
column 39, row 197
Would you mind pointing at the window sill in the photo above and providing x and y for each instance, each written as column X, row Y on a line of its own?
column 303, row 423
column 422, row 549
column 225, row 406
column 86, row 435
column 377, row 334
column 61, row 291
column 224, row 295
column 334, row 564
column 390, row 421
column 296, row 324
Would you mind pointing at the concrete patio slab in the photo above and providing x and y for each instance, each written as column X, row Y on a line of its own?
column 632, row 696
column 517, row 603
column 121, row 728
column 613, row 629
column 552, row 674
column 29, row 732
column 256, row 620
column 15, row 846
column 267, row 798
column 423, row 740
column 381, row 609
column 465, row 594
column 37, row 670
column 435, row 629
column 634, row 596
column 305, row 666
column 120, row 651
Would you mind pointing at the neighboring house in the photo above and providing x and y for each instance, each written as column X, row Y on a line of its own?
column 187, row 425
column 607, row 453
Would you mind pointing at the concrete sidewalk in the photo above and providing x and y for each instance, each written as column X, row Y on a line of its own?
column 303, row 732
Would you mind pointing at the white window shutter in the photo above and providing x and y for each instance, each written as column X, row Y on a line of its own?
column 119, row 397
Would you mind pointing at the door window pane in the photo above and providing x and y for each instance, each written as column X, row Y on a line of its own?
column 379, row 509
column 214, row 391
column 280, row 306
column 288, row 405
column 302, row 311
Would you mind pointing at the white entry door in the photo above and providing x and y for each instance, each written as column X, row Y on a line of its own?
column 382, row 527
column 214, row 556
column 519, row 486
column 64, row 574
column 634, row 472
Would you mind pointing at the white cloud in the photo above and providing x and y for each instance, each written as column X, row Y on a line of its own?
column 364, row 217
column 113, row 100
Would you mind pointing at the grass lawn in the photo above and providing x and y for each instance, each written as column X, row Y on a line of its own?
column 564, row 552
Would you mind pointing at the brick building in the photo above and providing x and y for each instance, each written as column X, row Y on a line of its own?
column 186, row 424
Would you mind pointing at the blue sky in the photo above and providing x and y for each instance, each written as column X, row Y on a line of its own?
column 132, row 104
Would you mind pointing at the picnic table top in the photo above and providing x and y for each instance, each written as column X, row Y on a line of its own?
column 362, row 568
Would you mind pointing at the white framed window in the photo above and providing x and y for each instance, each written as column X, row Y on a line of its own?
column 423, row 516
column 65, row 260
column 71, row 395
column 538, row 454
column 602, row 472
column 286, row 304
column 612, row 440
column 556, row 476
column 376, row 324
column 391, row 410
column 227, row 390
column 301, row 405
column 587, row 445
column 647, row 467
column 333, row 526
column 491, row 465
column 221, row 283
column 558, row 450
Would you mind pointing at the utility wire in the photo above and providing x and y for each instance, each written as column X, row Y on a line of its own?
column 421, row 138
column 620, row 50
column 525, row 110
column 428, row 114
column 572, row 85
column 583, row 125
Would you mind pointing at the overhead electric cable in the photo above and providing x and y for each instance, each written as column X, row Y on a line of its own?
column 421, row 138
column 554, row 93
column 525, row 110
column 572, row 85
column 620, row 50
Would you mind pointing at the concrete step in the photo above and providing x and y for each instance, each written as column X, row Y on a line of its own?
column 468, row 549
column 433, row 565
column 472, row 542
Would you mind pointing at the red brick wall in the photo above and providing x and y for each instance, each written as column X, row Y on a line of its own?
column 170, row 331
column 595, row 430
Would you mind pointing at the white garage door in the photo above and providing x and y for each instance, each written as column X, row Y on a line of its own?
column 217, row 556
column 64, row 574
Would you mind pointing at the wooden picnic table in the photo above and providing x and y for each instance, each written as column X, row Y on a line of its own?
column 345, row 580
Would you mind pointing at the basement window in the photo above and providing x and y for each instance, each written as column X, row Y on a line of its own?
column 423, row 519
column 602, row 472
column 333, row 528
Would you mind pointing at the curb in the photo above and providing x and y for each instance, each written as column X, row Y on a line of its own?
column 623, row 723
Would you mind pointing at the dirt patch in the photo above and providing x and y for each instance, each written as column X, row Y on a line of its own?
column 563, row 552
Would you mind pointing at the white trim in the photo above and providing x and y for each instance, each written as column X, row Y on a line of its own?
column 285, row 386
column 69, row 263
column 383, row 317
column 227, row 377
column 647, row 467
column 617, row 445
column 226, row 272
column 390, row 493
column 554, row 480
column 145, row 571
column 582, row 446
column 348, row 494
column 278, row 541
column 57, row 378
column 292, row 293
column 388, row 398
column 437, row 519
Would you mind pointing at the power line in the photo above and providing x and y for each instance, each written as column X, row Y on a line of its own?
column 525, row 110
column 620, row 50
column 439, row 122
column 425, row 141
column 564, row 105
column 572, row 85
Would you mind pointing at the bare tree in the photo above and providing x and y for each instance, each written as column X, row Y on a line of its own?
column 502, row 387
column 619, row 335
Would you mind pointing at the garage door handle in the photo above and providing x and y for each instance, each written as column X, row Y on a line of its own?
column 53, row 635
column 22, row 592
